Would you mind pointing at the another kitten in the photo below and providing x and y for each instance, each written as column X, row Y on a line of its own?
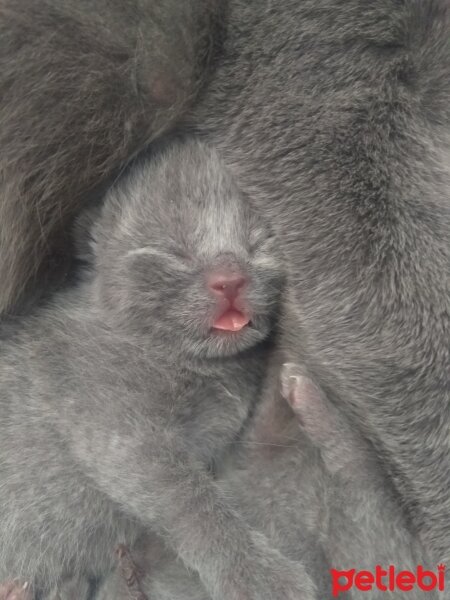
column 119, row 396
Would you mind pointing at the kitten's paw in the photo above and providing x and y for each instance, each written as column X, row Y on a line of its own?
column 12, row 590
column 306, row 400
column 342, row 446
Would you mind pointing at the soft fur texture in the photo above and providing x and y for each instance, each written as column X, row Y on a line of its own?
column 118, row 397
column 336, row 115
column 84, row 85
column 310, row 483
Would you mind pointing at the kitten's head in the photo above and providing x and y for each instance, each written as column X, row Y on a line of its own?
column 182, row 258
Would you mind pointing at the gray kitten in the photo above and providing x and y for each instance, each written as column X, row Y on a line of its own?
column 117, row 398
column 307, row 479
column 337, row 115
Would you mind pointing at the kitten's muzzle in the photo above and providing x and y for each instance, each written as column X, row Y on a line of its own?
column 228, row 287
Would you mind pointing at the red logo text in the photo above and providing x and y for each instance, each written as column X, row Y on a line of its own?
column 388, row 580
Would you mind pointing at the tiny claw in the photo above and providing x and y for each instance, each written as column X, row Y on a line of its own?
column 289, row 376
column 293, row 385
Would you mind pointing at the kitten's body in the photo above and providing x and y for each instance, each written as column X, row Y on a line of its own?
column 316, row 490
column 337, row 114
column 119, row 396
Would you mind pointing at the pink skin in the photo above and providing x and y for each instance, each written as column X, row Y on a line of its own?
column 228, row 287
column 298, row 389
column 305, row 399
column 12, row 590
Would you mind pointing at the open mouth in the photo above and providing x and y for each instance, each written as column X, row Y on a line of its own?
column 231, row 321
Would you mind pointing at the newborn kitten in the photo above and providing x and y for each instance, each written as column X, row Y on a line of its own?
column 117, row 398
column 308, row 481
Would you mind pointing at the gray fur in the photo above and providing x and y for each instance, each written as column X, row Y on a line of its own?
column 84, row 85
column 117, row 398
column 335, row 115
column 314, row 487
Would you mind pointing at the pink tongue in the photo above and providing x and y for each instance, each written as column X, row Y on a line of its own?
column 232, row 320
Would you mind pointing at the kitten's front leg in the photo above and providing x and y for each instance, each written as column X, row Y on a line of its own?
column 151, row 474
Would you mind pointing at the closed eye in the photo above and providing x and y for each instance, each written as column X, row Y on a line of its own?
column 176, row 259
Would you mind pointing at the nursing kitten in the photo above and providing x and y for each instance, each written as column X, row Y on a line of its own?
column 337, row 115
column 118, row 397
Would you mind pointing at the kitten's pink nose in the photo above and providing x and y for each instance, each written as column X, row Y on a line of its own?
column 227, row 285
